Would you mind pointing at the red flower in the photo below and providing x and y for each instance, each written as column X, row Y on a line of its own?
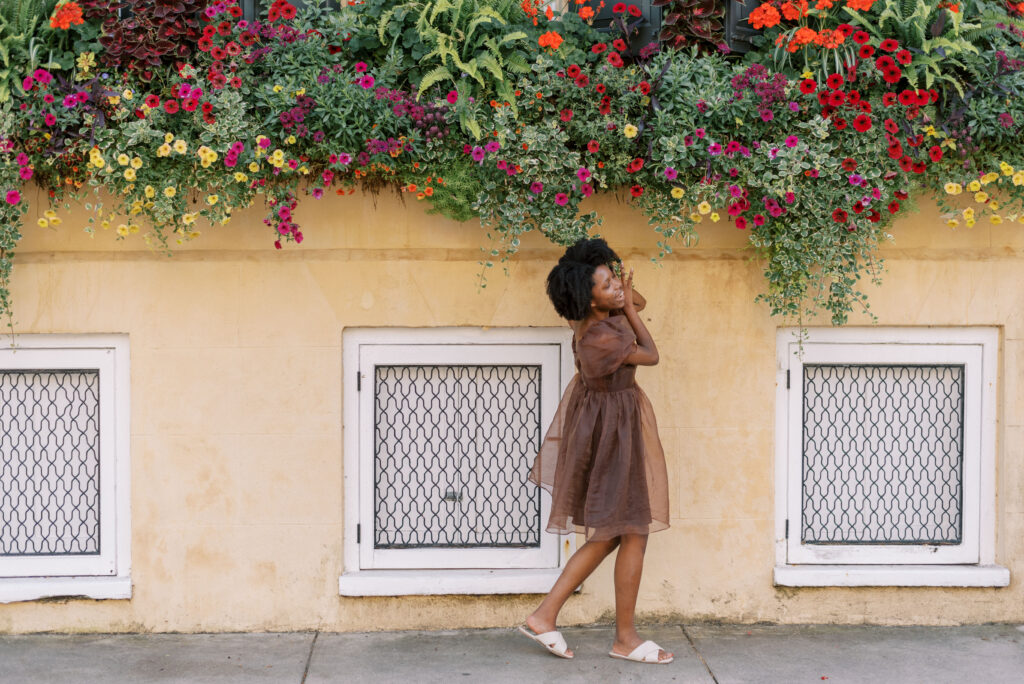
column 573, row 71
column 287, row 10
column 619, row 8
column 636, row 190
column 935, row 152
column 171, row 106
column 839, row 216
column 645, row 87
column 894, row 206
column 599, row 88
column 861, row 37
column 900, row 194
column 896, row 151
column 862, row 123
column 849, row 164
column 582, row 81
column 919, row 167
column 885, row 62
column 889, row 99
column 598, row 48
column 839, row 123
column 906, row 163
column 634, row 11
column 808, row 86
column 606, row 105
column 566, row 115
column 614, row 59
column 891, row 126
column 836, row 98
column 907, row 97
column 874, row 216
column 207, row 107
column 152, row 101
column 892, row 76
column 834, row 81
column 845, row 29
column 619, row 44
column 741, row 223
column 593, row 146
column 889, row 45
column 922, row 97
column 903, row 57
column 865, row 51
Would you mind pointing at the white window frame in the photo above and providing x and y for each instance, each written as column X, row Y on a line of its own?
column 108, row 574
column 971, row 563
column 388, row 572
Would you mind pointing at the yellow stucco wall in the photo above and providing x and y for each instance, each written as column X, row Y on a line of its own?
column 236, row 397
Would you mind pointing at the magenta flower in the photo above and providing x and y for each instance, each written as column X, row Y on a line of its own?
column 790, row 198
column 366, row 82
column 561, row 199
column 583, row 174
column 492, row 146
column 13, row 196
column 25, row 172
column 671, row 173
column 453, row 96
column 792, row 140
column 478, row 153
column 700, row 133
column 70, row 101
column 735, row 190
column 48, row 98
column 49, row 119
column 587, row 189
column 265, row 143
column 318, row 193
column 82, row 96
column 766, row 115
column 714, row 149
column 27, row 83
column 855, row 179
column 360, row 67
column 536, row 187
column 502, row 164
column 1005, row 120
column 344, row 158
column 42, row 76
column 22, row 159
column 759, row 219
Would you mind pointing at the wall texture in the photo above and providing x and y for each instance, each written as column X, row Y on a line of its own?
column 236, row 393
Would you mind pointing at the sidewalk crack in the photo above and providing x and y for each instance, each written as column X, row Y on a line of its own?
column 700, row 655
column 309, row 658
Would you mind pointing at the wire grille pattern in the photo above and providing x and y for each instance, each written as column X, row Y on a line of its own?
column 883, row 454
column 50, row 472
column 452, row 451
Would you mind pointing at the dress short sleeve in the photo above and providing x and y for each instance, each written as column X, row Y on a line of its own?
column 605, row 346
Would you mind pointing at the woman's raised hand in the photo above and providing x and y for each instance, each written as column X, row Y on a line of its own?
column 627, row 290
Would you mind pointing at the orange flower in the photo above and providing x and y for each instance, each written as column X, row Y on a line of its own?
column 551, row 39
column 860, row 4
column 548, row 14
column 823, row 4
column 804, row 35
column 586, row 13
column 764, row 16
column 829, row 39
column 429, row 192
column 794, row 11
column 65, row 15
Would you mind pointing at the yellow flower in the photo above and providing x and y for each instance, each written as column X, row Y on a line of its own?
column 137, row 163
column 278, row 88
column 290, row 140
column 132, row 228
column 129, row 174
column 954, row 188
column 995, row 219
column 188, row 218
column 970, row 222
column 164, row 150
column 807, row 74
column 277, row 155
column 86, row 61
column 300, row 92
column 149, row 191
column 123, row 159
column 304, row 170
column 168, row 137
column 968, row 213
column 169, row 191
column 989, row 177
column 253, row 167
column 677, row 193
column 122, row 230
column 205, row 163
column 180, row 146
column 981, row 197
column 127, row 94
column 952, row 223
column 42, row 223
column 211, row 199
column 55, row 221
column 105, row 223
column 993, row 205
column 240, row 177
column 1006, row 169
column 974, row 186
column 97, row 161
column 49, row 213
column 704, row 208
column 695, row 217
column 629, row 130
column 1018, row 178
column 715, row 217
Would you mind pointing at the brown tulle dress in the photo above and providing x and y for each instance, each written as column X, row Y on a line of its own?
column 601, row 459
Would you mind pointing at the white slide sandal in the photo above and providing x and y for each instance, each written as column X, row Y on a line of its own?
column 646, row 652
column 553, row 641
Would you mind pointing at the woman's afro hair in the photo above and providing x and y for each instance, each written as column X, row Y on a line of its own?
column 571, row 282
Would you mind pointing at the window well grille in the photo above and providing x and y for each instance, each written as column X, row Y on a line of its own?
column 453, row 446
column 50, row 469
column 883, row 450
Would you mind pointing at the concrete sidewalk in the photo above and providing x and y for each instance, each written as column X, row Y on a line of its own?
column 984, row 654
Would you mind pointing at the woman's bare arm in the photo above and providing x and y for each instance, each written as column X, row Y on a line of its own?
column 646, row 353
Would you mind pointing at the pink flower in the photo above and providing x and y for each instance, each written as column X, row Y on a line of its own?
column 42, row 76
column 27, row 83
column 453, row 96
column 792, row 140
column 714, row 149
column 477, row 153
column 670, row 173
column 22, row 159
column 741, row 223
column 759, row 219
column 366, row 82
column 700, row 132
column 561, row 199
column 49, row 119
column 536, row 187
column 493, row 146
column 583, row 175
column 264, row 143
column 13, row 197
column 587, row 189
column 790, row 198
column 25, row 172
column 361, row 67
column 344, row 158
column 318, row 193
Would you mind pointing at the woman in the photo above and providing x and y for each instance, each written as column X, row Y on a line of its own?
column 601, row 458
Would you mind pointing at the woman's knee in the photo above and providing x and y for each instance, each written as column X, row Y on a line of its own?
column 634, row 541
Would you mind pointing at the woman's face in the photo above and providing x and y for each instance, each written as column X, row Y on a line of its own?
column 606, row 294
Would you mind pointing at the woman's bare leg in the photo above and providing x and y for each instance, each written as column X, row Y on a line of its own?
column 629, row 566
column 583, row 562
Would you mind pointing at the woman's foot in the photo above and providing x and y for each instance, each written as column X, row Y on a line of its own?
column 541, row 625
column 626, row 646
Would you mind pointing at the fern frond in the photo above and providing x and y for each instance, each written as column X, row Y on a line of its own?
column 435, row 76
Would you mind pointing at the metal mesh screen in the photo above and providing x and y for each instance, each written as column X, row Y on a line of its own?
column 49, row 477
column 882, row 454
column 452, row 450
